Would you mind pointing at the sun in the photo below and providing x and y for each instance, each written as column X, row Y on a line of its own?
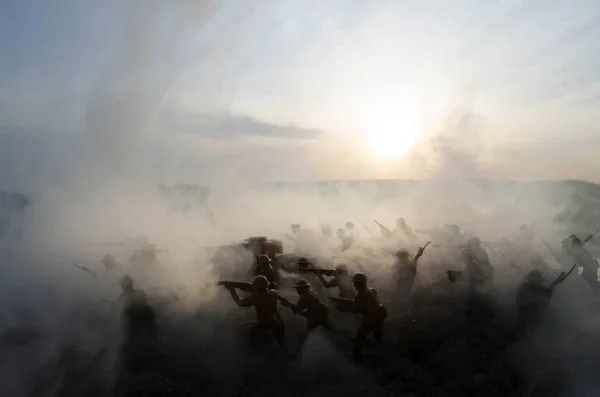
column 391, row 132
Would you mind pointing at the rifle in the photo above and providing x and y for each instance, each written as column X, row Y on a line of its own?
column 288, row 236
column 341, row 301
column 510, row 261
column 247, row 287
column 561, row 279
column 343, row 304
column 421, row 251
column 591, row 236
column 85, row 269
column 548, row 246
column 325, row 272
column 557, row 258
column 384, row 230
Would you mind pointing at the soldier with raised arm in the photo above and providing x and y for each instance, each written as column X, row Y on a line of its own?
column 366, row 303
column 533, row 297
column 579, row 254
column 264, row 300
column 405, row 269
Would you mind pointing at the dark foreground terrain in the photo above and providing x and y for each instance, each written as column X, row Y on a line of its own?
column 436, row 346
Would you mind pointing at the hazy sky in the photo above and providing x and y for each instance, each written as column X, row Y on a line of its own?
column 290, row 89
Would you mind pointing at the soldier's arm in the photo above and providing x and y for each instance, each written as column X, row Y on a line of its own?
column 356, row 306
column 301, row 306
column 333, row 283
column 282, row 300
column 246, row 302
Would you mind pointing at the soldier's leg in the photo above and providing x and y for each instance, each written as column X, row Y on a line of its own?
column 359, row 340
column 378, row 332
column 311, row 325
column 255, row 331
column 278, row 331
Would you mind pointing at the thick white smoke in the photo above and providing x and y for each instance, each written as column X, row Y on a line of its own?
column 55, row 329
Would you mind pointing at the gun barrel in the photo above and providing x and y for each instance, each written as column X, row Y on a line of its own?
column 340, row 300
column 232, row 284
column 326, row 272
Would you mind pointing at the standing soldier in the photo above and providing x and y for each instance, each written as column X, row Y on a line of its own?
column 404, row 232
column 583, row 257
column 476, row 251
column 405, row 270
column 264, row 301
column 326, row 230
column 138, row 313
column 295, row 228
column 366, row 303
column 349, row 226
column 111, row 266
column 346, row 242
column 307, row 267
column 533, row 298
column 525, row 238
column 264, row 268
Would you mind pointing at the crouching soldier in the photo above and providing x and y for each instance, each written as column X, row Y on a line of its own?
column 366, row 303
column 310, row 307
column 264, row 300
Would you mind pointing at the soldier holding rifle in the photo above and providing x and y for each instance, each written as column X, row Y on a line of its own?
column 366, row 303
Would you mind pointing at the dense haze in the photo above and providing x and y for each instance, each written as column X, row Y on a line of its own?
column 156, row 132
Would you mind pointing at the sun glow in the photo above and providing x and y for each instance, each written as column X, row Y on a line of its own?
column 391, row 132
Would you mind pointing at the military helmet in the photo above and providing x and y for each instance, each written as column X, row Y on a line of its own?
column 400, row 221
column 260, row 283
column 401, row 253
column 359, row 278
column 302, row 283
column 342, row 268
column 107, row 259
column 341, row 233
column 126, row 281
column 534, row 276
column 576, row 241
column 263, row 259
column 303, row 262
column 349, row 225
column 474, row 241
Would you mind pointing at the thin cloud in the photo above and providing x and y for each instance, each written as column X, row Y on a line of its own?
column 224, row 127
